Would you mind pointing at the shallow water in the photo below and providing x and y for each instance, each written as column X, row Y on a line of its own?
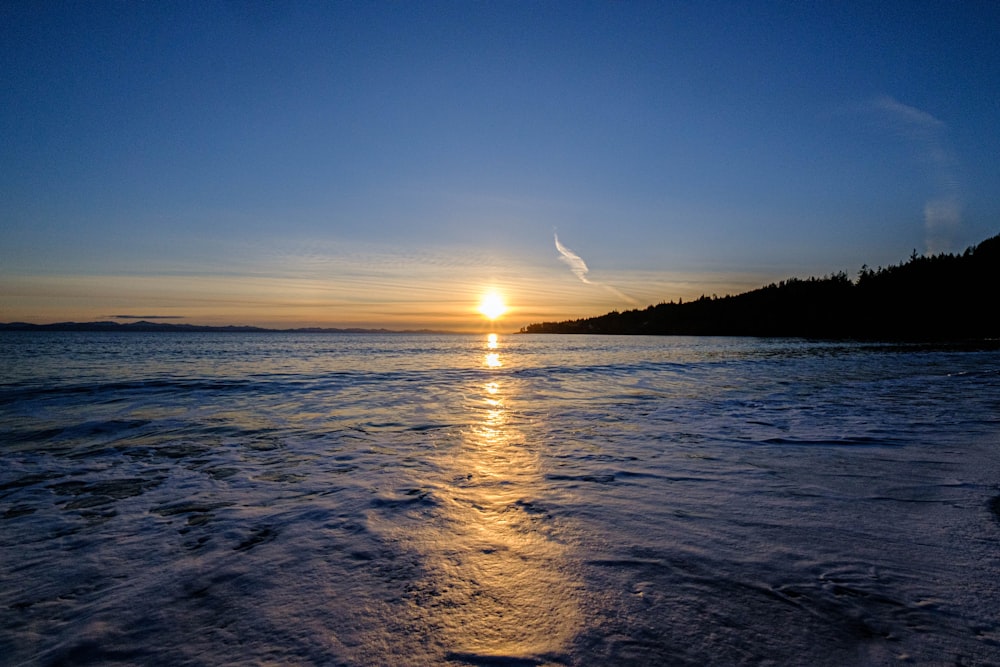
column 416, row 500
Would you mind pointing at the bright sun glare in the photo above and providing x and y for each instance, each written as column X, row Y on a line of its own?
column 492, row 306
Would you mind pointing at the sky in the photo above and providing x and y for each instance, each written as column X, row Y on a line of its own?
column 386, row 164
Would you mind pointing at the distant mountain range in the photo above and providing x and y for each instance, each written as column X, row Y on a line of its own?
column 144, row 325
column 940, row 297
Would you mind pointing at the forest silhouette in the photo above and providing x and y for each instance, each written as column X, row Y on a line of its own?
column 937, row 297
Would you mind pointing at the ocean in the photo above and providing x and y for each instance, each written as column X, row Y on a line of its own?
column 333, row 499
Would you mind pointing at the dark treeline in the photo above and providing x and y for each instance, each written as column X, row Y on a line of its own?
column 939, row 297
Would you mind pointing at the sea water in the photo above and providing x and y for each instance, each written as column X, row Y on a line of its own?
column 232, row 498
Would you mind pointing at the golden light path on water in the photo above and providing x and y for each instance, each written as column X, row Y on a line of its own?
column 520, row 600
column 492, row 358
column 496, row 586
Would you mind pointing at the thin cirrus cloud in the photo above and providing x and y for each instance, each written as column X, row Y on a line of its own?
column 573, row 261
column 929, row 135
column 580, row 270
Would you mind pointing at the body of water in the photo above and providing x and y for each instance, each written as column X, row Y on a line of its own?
column 203, row 499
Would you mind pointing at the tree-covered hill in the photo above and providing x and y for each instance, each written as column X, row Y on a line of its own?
column 937, row 297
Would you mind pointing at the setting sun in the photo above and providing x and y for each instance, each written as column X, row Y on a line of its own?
column 492, row 306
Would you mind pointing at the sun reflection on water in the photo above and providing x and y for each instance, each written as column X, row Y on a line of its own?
column 492, row 359
column 498, row 584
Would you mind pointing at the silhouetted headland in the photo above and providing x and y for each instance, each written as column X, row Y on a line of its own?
column 939, row 297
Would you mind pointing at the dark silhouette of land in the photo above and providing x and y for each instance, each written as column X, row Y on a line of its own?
column 939, row 297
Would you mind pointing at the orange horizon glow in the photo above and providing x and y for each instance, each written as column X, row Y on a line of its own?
column 457, row 304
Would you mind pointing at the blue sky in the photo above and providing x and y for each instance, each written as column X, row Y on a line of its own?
column 386, row 163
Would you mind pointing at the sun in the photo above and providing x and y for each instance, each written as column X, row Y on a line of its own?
column 492, row 306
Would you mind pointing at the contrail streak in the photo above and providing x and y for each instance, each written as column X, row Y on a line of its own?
column 575, row 263
column 580, row 270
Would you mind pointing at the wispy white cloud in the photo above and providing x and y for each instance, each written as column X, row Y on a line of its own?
column 580, row 270
column 912, row 115
column 573, row 261
column 942, row 223
column 943, row 209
